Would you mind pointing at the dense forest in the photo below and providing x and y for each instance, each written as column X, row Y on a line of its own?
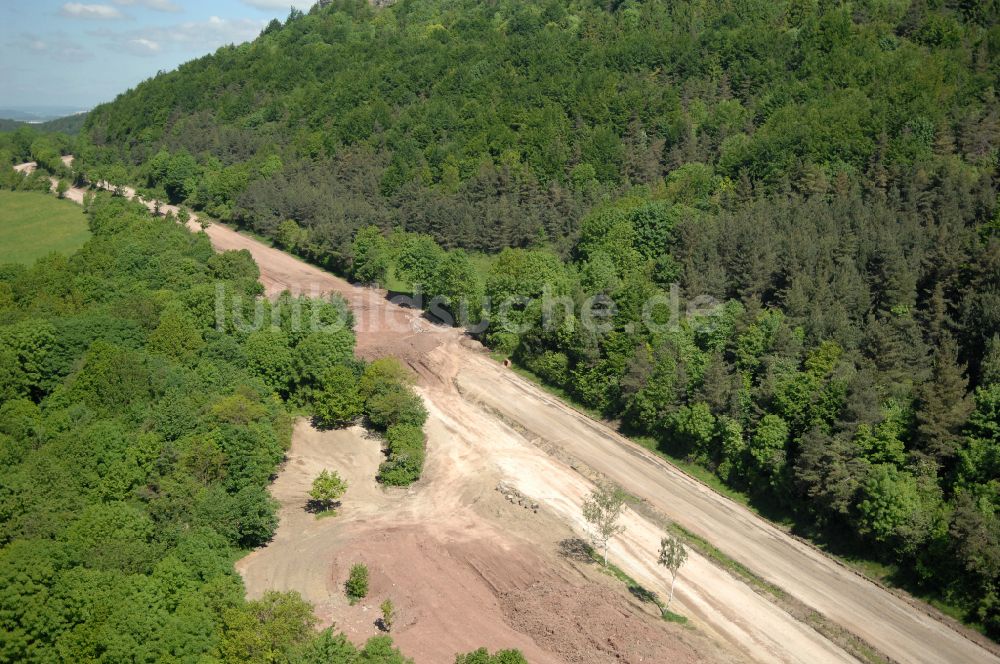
column 138, row 433
column 824, row 171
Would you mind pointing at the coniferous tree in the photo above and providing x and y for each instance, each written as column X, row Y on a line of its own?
column 943, row 404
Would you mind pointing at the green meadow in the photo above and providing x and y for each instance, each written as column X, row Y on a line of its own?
column 33, row 224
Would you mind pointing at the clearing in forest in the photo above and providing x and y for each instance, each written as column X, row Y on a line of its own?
column 33, row 224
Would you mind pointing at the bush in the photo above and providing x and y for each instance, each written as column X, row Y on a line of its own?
column 338, row 402
column 388, row 613
column 400, row 470
column 396, row 406
column 550, row 366
column 327, row 489
column 389, row 400
column 370, row 251
column 382, row 375
column 406, row 455
column 483, row 656
column 357, row 582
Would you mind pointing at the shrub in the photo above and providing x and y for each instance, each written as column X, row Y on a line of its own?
column 327, row 489
column 357, row 582
column 483, row 656
column 338, row 402
column 389, row 399
column 397, row 405
column 406, row 455
column 388, row 612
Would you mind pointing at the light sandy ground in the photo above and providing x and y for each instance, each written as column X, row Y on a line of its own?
column 464, row 567
column 474, row 403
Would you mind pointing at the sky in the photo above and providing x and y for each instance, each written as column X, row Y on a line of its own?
column 75, row 55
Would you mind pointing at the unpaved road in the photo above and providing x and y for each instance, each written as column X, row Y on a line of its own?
column 465, row 391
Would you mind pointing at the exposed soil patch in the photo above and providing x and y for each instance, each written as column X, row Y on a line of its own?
column 465, row 566
column 589, row 625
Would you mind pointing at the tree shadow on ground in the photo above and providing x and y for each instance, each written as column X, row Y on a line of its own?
column 320, row 506
column 577, row 550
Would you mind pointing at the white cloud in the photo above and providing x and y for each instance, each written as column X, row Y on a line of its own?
column 57, row 46
column 216, row 31
column 79, row 10
column 189, row 37
column 156, row 5
column 279, row 4
column 143, row 46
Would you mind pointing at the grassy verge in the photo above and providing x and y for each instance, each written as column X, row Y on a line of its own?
column 33, row 224
column 637, row 590
column 891, row 576
column 700, row 473
column 557, row 392
column 707, row 549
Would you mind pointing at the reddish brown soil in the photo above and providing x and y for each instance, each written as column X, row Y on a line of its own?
column 455, row 594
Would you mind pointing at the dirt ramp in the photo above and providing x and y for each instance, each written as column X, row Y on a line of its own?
column 592, row 625
column 445, row 589
column 455, row 593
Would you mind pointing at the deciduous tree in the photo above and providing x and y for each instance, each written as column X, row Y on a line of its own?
column 603, row 510
column 327, row 489
column 672, row 555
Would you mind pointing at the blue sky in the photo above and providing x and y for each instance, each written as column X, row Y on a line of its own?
column 78, row 54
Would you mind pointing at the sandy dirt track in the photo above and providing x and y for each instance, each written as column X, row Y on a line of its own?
column 464, row 567
column 475, row 401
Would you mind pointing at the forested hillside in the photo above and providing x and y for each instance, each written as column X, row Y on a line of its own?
column 138, row 435
column 826, row 171
column 497, row 124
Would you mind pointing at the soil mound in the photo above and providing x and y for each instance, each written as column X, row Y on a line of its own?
column 592, row 625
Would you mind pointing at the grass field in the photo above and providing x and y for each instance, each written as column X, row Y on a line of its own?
column 33, row 224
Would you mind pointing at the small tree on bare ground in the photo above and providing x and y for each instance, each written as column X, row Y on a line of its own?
column 388, row 612
column 603, row 509
column 326, row 490
column 672, row 556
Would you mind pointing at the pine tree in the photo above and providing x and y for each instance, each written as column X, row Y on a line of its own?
column 943, row 404
column 989, row 367
column 719, row 387
column 896, row 348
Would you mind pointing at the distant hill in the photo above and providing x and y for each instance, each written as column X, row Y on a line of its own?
column 71, row 124
column 38, row 113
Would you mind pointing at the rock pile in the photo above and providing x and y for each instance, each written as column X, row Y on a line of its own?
column 515, row 497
